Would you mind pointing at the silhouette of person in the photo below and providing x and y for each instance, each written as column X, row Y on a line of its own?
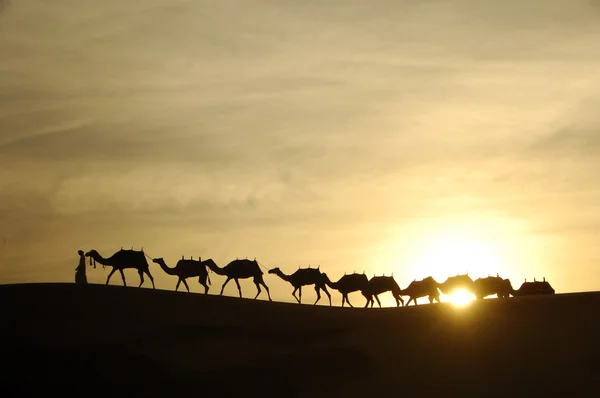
column 80, row 277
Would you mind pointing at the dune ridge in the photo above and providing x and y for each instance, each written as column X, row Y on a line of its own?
column 101, row 339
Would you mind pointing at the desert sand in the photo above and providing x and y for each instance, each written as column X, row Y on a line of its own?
column 96, row 339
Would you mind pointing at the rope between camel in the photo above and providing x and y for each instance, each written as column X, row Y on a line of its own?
column 265, row 268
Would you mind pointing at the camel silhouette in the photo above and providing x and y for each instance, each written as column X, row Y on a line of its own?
column 533, row 288
column 305, row 277
column 348, row 284
column 80, row 277
column 483, row 287
column 455, row 283
column 186, row 269
column 121, row 260
column 240, row 269
column 382, row 284
column 426, row 287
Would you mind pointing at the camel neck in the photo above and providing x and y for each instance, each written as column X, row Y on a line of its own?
column 283, row 276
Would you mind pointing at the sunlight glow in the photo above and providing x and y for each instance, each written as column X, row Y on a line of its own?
column 459, row 253
column 460, row 298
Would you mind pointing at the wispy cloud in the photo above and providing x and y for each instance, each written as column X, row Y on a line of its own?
column 295, row 130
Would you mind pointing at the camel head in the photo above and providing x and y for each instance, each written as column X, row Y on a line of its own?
column 506, row 284
column 275, row 270
column 158, row 260
column 93, row 254
column 209, row 262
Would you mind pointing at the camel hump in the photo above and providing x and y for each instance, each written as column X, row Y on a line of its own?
column 245, row 264
column 240, row 261
column 382, row 278
column 355, row 278
column 187, row 261
column 129, row 256
column 308, row 271
column 130, row 251
column 536, row 287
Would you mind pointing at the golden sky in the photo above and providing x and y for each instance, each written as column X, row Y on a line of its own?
column 415, row 138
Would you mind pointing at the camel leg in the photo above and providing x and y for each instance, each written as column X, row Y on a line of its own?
column 294, row 294
column 151, row 278
column 238, row 286
column 300, row 295
column 348, row 301
column 186, row 285
column 202, row 281
column 378, row 302
column 257, row 289
column 399, row 300
column 109, row 275
column 223, row 287
column 123, row 277
column 141, row 273
column 368, row 300
column 262, row 282
column 343, row 300
column 327, row 293
column 368, row 297
column 318, row 294
column 178, row 283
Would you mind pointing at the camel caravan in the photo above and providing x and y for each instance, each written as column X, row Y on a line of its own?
column 349, row 283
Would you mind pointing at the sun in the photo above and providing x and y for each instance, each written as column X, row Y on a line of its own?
column 449, row 247
column 460, row 298
column 458, row 251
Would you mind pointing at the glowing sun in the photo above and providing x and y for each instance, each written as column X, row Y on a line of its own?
column 460, row 298
column 458, row 252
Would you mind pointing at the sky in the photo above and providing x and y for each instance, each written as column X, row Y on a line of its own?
column 408, row 138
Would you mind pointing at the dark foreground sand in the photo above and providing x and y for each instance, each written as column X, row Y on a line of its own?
column 111, row 340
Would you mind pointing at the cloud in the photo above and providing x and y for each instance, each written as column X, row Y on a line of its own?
column 296, row 130
column 578, row 136
column 4, row 5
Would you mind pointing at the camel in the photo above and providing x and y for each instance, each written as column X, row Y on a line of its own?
column 455, row 283
column 533, row 288
column 348, row 284
column 240, row 269
column 382, row 284
column 483, row 287
column 422, row 288
column 186, row 269
column 304, row 277
column 121, row 260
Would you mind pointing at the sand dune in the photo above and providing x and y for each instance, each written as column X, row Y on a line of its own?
column 100, row 339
